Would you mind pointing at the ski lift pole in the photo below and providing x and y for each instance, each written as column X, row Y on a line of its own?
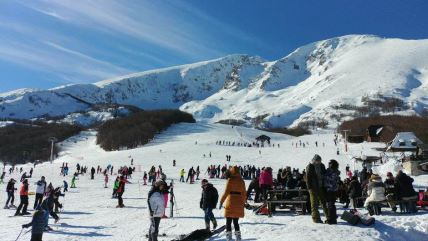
column 171, row 199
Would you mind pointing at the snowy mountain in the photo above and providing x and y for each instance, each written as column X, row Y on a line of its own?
column 329, row 80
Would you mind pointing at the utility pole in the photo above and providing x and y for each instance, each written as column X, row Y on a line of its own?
column 346, row 139
column 52, row 140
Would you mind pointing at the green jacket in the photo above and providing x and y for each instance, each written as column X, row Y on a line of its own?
column 116, row 185
column 312, row 179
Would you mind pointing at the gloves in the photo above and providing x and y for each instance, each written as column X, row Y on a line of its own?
column 220, row 206
column 24, row 226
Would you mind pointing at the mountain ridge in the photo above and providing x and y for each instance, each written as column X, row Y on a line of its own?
column 307, row 84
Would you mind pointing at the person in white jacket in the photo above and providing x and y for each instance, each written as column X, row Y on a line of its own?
column 40, row 191
column 375, row 190
column 156, row 204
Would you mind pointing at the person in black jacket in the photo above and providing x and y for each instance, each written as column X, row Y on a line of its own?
column 48, row 206
column 208, row 202
column 10, row 189
column 254, row 185
column 405, row 192
column 37, row 224
column 355, row 191
column 390, row 191
column 92, row 173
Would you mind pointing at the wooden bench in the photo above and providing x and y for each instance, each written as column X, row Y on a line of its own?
column 277, row 197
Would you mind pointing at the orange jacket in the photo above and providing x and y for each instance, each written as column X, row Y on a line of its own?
column 23, row 191
column 234, row 195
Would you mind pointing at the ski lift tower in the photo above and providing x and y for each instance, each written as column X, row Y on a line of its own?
column 52, row 140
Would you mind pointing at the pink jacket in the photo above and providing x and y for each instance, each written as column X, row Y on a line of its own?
column 265, row 178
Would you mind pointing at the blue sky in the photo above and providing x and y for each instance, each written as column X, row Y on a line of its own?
column 44, row 44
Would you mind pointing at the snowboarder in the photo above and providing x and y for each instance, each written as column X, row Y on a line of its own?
column 23, row 194
column 235, row 198
column 208, row 202
column 37, row 224
column 10, row 189
column 40, row 191
column 156, row 208
column 315, row 172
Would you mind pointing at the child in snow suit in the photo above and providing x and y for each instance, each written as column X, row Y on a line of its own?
column 156, row 204
column 115, row 187
column 105, row 180
column 65, row 186
column 73, row 182
column 182, row 175
column 38, row 224
column 120, row 191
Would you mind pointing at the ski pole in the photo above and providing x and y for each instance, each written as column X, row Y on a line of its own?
column 19, row 235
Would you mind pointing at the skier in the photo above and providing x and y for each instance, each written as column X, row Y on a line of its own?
column 155, row 202
column 145, row 178
column 105, row 180
column 10, row 189
column 120, row 191
column 173, row 163
column 208, row 202
column 331, row 180
column 65, row 186
column 197, row 173
column 48, row 206
column 40, row 191
column 182, row 172
column 37, row 224
column 92, row 173
column 23, row 194
column 115, row 187
column 2, row 177
column 315, row 172
column 235, row 198
column 73, row 181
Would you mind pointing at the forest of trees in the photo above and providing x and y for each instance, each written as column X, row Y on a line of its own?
column 29, row 141
column 138, row 129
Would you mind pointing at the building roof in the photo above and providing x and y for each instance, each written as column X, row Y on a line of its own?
column 405, row 141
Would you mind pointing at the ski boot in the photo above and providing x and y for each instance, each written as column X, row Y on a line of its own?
column 207, row 226
column 6, row 207
column 12, row 206
column 26, row 213
column 229, row 236
column 238, row 235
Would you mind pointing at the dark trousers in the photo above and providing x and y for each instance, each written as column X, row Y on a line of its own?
column 154, row 228
column 264, row 188
column 229, row 224
column 38, row 200
column 23, row 204
column 331, row 207
column 10, row 197
column 119, row 198
column 209, row 216
column 36, row 236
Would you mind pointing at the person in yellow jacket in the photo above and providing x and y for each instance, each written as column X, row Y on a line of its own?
column 182, row 175
column 234, row 198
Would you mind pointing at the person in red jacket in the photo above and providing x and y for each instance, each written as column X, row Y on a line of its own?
column 23, row 193
column 265, row 181
column 121, row 190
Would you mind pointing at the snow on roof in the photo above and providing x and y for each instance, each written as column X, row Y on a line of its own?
column 405, row 141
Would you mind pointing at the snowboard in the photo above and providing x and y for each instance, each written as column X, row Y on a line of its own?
column 200, row 234
column 364, row 218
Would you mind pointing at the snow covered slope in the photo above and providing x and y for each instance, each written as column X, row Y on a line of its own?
column 311, row 83
column 89, row 212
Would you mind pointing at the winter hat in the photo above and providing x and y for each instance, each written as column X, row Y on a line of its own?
column 316, row 158
column 389, row 174
column 159, row 183
column 374, row 177
column 334, row 164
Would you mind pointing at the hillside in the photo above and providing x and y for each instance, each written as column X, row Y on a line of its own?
column 325, row 81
